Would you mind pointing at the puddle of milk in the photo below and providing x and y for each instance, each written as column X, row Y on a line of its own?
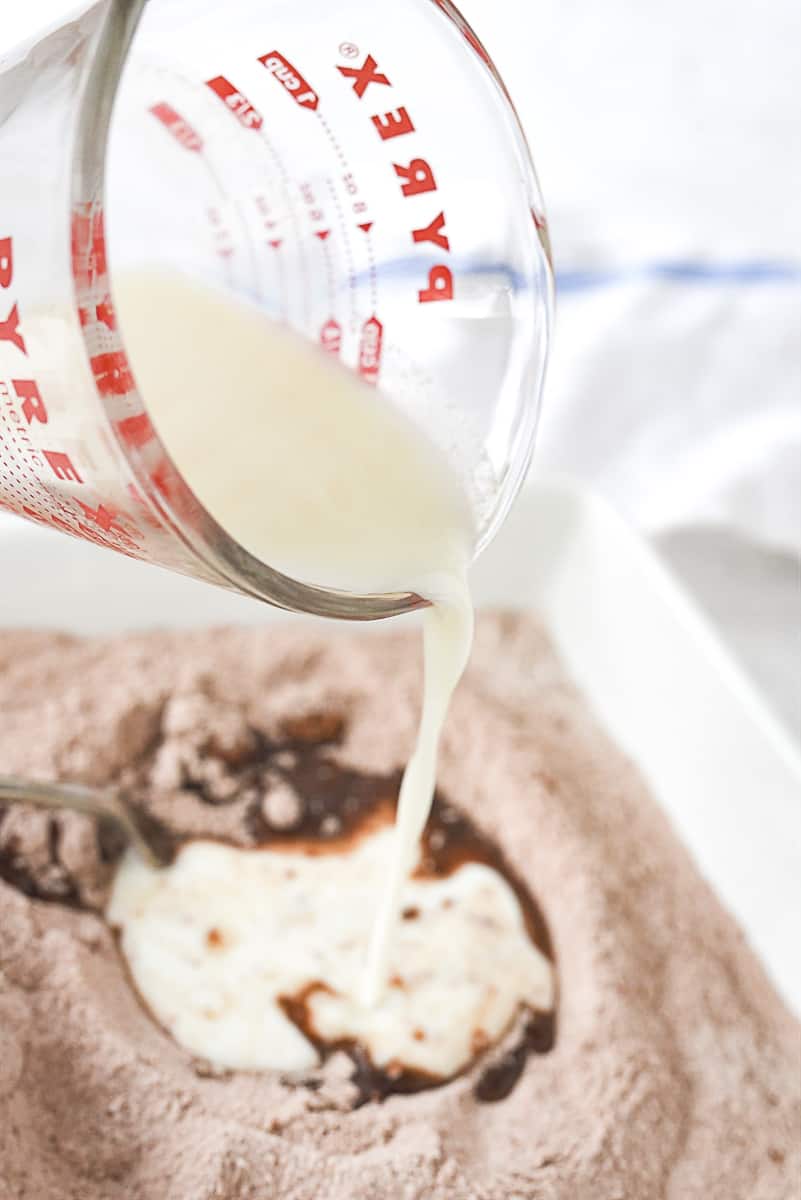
column 216, row 941
column 319, row 476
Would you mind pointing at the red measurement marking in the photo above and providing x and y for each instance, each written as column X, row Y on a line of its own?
column 222, row 235
column 290, row 79
column 539, row 221
column 236, row 101
column 331, row 337
column 366, row 226
column 136, row 431
column 88, row 244
column 112, row 373
column 165, row 478
column 322, row 234
column 177, row 125
column 276, row 242
column 370, row 349
column 6, row 262
column 104, row 517
column 46, row 519
column 105, row 313
column 83, row 316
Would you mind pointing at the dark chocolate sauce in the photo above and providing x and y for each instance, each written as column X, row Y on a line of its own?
column 499, row 1076
column 372, row 1082
column 536, row 1034
column 54, row 886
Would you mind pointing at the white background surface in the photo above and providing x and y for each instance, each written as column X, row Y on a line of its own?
column 666, row 138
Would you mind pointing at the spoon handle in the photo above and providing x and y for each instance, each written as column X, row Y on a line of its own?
column 83, row 800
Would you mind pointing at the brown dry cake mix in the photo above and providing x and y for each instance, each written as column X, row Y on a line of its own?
column 672, row 1068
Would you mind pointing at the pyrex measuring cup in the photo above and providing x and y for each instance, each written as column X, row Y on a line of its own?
column 356, row 168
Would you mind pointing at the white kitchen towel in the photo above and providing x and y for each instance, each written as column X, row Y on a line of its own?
column 681, row 399
column 669, row 151
column 668, row 143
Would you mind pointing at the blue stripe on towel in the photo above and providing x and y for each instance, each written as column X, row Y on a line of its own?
column 746, row 273
column 737, row 274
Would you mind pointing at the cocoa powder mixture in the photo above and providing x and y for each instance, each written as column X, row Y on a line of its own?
column 675, row 1072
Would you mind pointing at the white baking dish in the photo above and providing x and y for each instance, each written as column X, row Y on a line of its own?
column 668, row 692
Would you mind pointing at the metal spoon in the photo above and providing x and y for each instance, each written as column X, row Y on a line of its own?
column 152, row 841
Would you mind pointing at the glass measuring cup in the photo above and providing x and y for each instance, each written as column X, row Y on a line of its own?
column 358, row 170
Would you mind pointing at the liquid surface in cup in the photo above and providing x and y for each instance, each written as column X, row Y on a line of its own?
column 319, row 475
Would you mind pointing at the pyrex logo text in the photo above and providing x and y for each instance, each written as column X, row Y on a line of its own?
column 417, row 176
column 26, row 390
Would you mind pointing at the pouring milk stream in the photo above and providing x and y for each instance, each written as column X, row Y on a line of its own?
column 311, row 471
